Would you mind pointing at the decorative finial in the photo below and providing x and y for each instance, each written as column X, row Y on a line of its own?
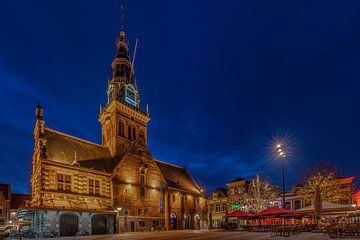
column 122, row 16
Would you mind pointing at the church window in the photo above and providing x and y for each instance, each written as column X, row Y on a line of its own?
column 142, row 178
column 94, row 186
column 121, row 129
column 142, row 191
column 161, row 196
column 134, row 134
column 129, row 132
column 63, row 182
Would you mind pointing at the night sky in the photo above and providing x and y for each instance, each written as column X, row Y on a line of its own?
column 221, row 78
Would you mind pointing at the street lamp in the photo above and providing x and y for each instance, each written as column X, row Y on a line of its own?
column 282, row 156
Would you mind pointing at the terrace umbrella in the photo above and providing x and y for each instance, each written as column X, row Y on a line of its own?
column 274, row 212
column 240, row 214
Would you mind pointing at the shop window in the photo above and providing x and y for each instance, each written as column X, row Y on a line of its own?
column 142, row 224
column 63, row 182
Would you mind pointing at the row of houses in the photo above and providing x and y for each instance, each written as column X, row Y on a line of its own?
column 10, row 204
column 225, row 200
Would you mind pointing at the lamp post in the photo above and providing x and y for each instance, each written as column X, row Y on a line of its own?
column 282, row 156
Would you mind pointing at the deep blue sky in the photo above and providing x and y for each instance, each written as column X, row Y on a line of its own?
column 221, row 79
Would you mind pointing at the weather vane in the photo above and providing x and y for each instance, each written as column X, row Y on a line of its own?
column 122, row 14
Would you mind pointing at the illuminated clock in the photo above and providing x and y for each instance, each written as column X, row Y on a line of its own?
column 130, row 95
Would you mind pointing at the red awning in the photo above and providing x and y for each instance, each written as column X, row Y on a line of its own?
column 278, row 212
column 239, row 214
column 273, row 211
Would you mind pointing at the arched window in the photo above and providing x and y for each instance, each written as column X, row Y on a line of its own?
column 142, row 191
column 121, row 129
column 134, row 133
column 129, row 132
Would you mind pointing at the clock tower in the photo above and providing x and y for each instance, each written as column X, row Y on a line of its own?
column 123, row 122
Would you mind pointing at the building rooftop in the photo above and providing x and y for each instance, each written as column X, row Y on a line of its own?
column 178, row 177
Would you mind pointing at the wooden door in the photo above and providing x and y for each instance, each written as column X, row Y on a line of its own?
column 98, row 225
column 69, row 224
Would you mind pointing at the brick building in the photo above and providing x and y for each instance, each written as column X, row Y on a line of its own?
column 81, row 186
column 10, row 204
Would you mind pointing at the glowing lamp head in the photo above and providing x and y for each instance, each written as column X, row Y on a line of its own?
column 278, row 146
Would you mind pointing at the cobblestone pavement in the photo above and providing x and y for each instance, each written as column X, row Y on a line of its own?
column 202, row 235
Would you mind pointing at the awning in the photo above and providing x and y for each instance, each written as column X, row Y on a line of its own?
column 240, row 214
column 328, row 207
column 278, row 212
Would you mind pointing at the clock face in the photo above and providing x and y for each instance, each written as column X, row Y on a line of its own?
column 130, row 95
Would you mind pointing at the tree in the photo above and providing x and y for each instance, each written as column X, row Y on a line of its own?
column 326, row 179
column 259, row 195
column 322, row 184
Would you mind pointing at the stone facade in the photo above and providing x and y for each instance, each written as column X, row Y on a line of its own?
column 115, row 186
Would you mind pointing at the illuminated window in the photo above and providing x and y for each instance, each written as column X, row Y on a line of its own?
column 94, row 186
column 63, row 182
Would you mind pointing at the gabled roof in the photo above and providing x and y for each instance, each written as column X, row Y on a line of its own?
column 19, row 200
column 221, row 192
column 178, row 177
column 5, row 189
column 66, row 149
column 238, row 179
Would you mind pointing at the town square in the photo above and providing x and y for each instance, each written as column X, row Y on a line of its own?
column 186, row 119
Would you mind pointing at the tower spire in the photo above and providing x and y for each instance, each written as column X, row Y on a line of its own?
column 122, row 16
